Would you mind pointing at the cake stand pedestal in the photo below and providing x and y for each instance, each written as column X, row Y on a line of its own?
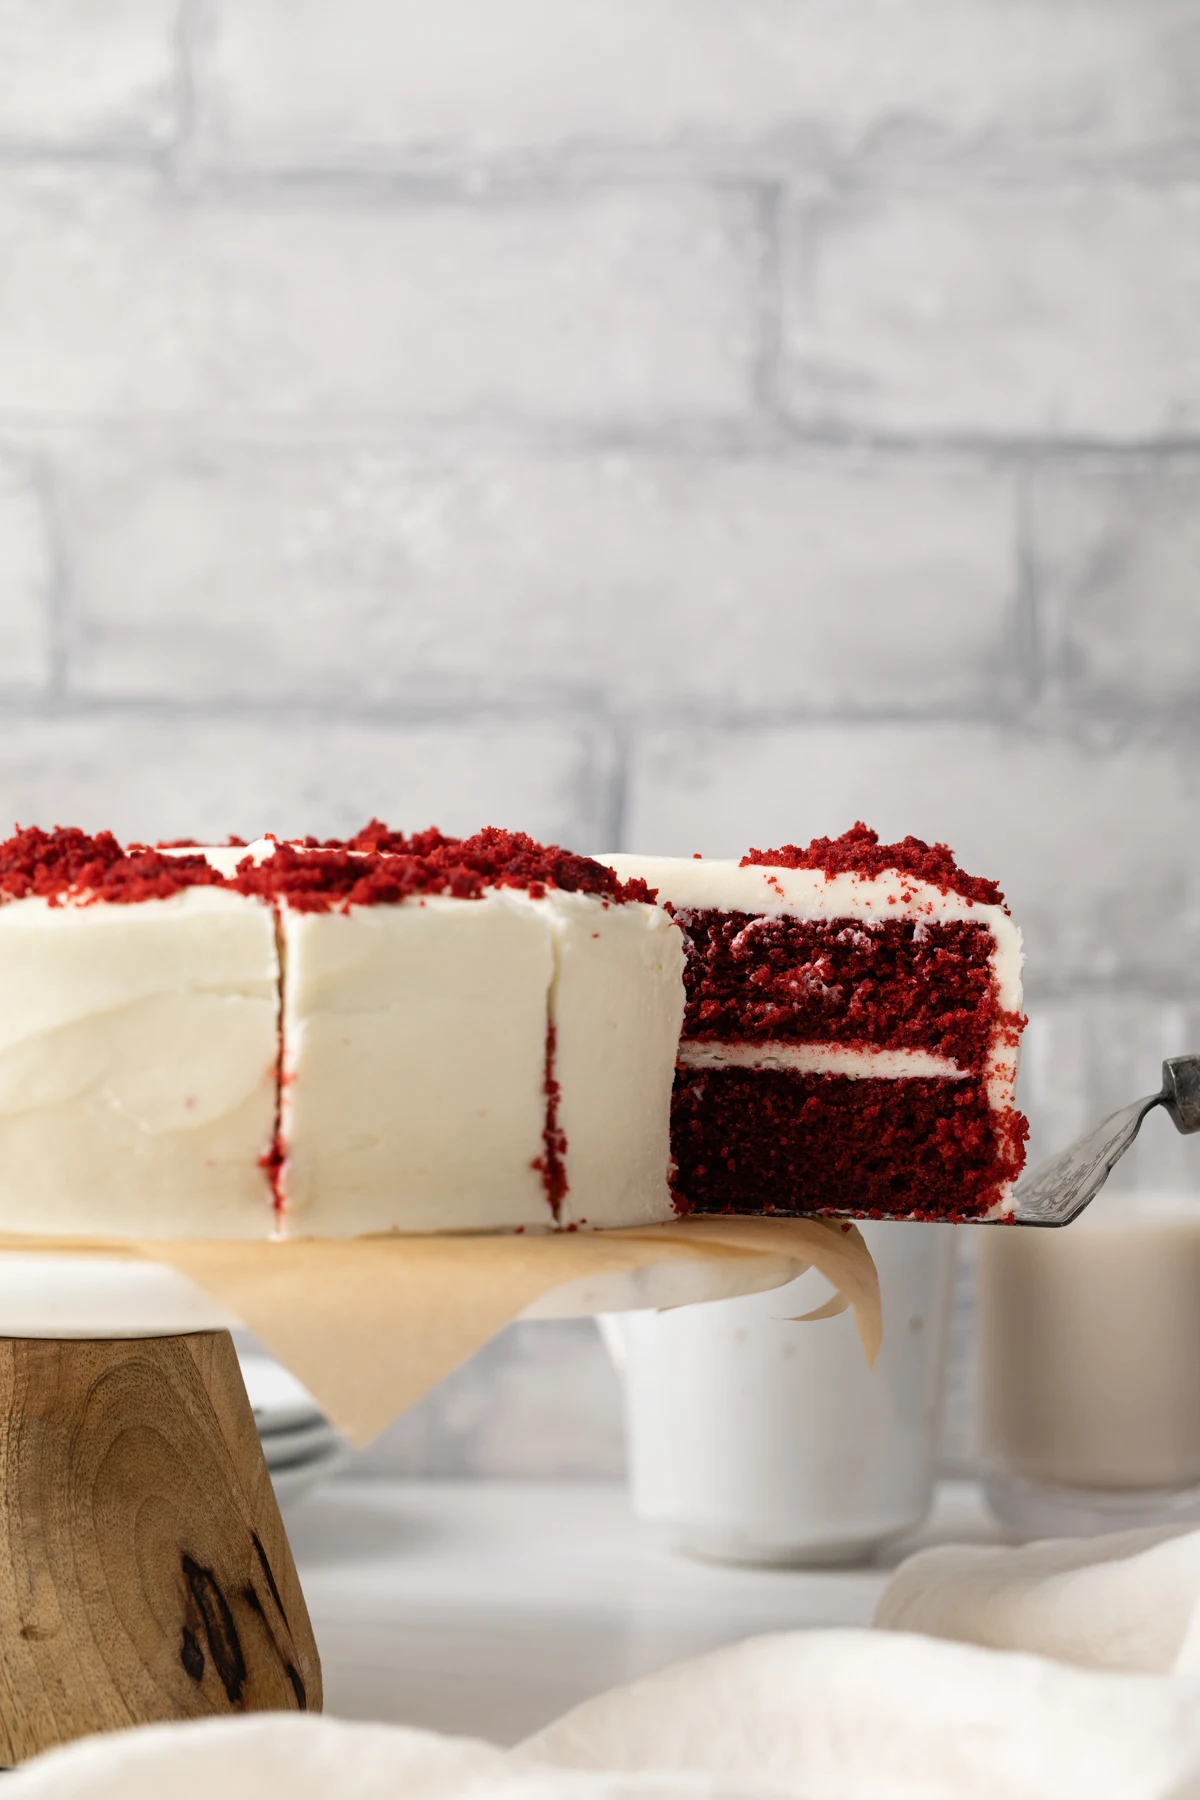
column 144, row 1569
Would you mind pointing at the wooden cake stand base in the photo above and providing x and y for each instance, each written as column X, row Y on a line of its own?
column 144, row 1569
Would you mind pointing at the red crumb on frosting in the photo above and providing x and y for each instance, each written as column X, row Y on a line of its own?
column 859, row 852
column 65, row 863
column 551, row 1164
column 319, row 878
column 511, row 859
column 375, row 835
column 272, row 1163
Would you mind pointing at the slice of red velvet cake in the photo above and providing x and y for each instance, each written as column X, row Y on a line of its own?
column 850, row 1035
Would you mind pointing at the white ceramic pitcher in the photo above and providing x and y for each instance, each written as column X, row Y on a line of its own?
column 753, row 1438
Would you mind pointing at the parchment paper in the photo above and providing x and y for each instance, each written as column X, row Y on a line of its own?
column 369, row 1325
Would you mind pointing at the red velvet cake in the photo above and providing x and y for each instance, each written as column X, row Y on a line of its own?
column 427, row 1034
column 850, row 1034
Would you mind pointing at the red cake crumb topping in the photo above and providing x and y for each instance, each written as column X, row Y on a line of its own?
column 859, row 852
column 323, row 877
column 66, row 863
column 375, row 835
column 511, row 859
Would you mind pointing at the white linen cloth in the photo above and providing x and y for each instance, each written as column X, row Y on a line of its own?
column 1058, row 1671
column 1129, row 1601
column 298, row 1758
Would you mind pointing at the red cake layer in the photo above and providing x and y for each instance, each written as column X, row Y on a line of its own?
column 320, row 878
column 859, row 852
column 53, row 865
column 898, row 984
column 765, row 1140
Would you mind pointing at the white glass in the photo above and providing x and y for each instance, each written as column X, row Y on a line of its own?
column 753, row 1438
column 1090, row 1368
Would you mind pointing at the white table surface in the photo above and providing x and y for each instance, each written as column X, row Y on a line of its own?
column 486, row 1608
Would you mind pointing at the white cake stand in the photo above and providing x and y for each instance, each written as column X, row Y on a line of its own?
column 65, row 1297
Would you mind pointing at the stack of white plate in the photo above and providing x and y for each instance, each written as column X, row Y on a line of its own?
column 300, row 1445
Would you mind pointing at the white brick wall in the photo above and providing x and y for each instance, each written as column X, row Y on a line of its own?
column 122, row 296
column 75, row 75
column 165, row 774
column 1021, row 310
column 648, row 421
column 398, row 80
column 1118, row 557
column 26, row 580
column 623, row 579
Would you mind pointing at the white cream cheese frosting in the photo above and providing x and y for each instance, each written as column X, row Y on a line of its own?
column 414, row 1066
column 415, row 1043
column 138, row 1047
column 617, row 1010
column 416, row 1038
column 820, row 1059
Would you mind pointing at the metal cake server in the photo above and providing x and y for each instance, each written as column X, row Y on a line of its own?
column 1058, row 1191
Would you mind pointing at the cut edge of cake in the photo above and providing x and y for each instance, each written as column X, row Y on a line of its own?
column 898, row 898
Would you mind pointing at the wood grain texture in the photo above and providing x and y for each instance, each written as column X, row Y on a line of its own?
column 144, row 1569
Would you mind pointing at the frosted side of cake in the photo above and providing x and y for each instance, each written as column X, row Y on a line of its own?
column 478, row 1034
column 414, row 1066
column 616, row 1009
column 138, row 1053
column 473, row 1065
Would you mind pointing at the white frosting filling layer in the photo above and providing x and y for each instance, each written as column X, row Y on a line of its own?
column 137, row 1066
column 821, row 1059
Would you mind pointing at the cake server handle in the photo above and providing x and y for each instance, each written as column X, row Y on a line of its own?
column 1058, row 1191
